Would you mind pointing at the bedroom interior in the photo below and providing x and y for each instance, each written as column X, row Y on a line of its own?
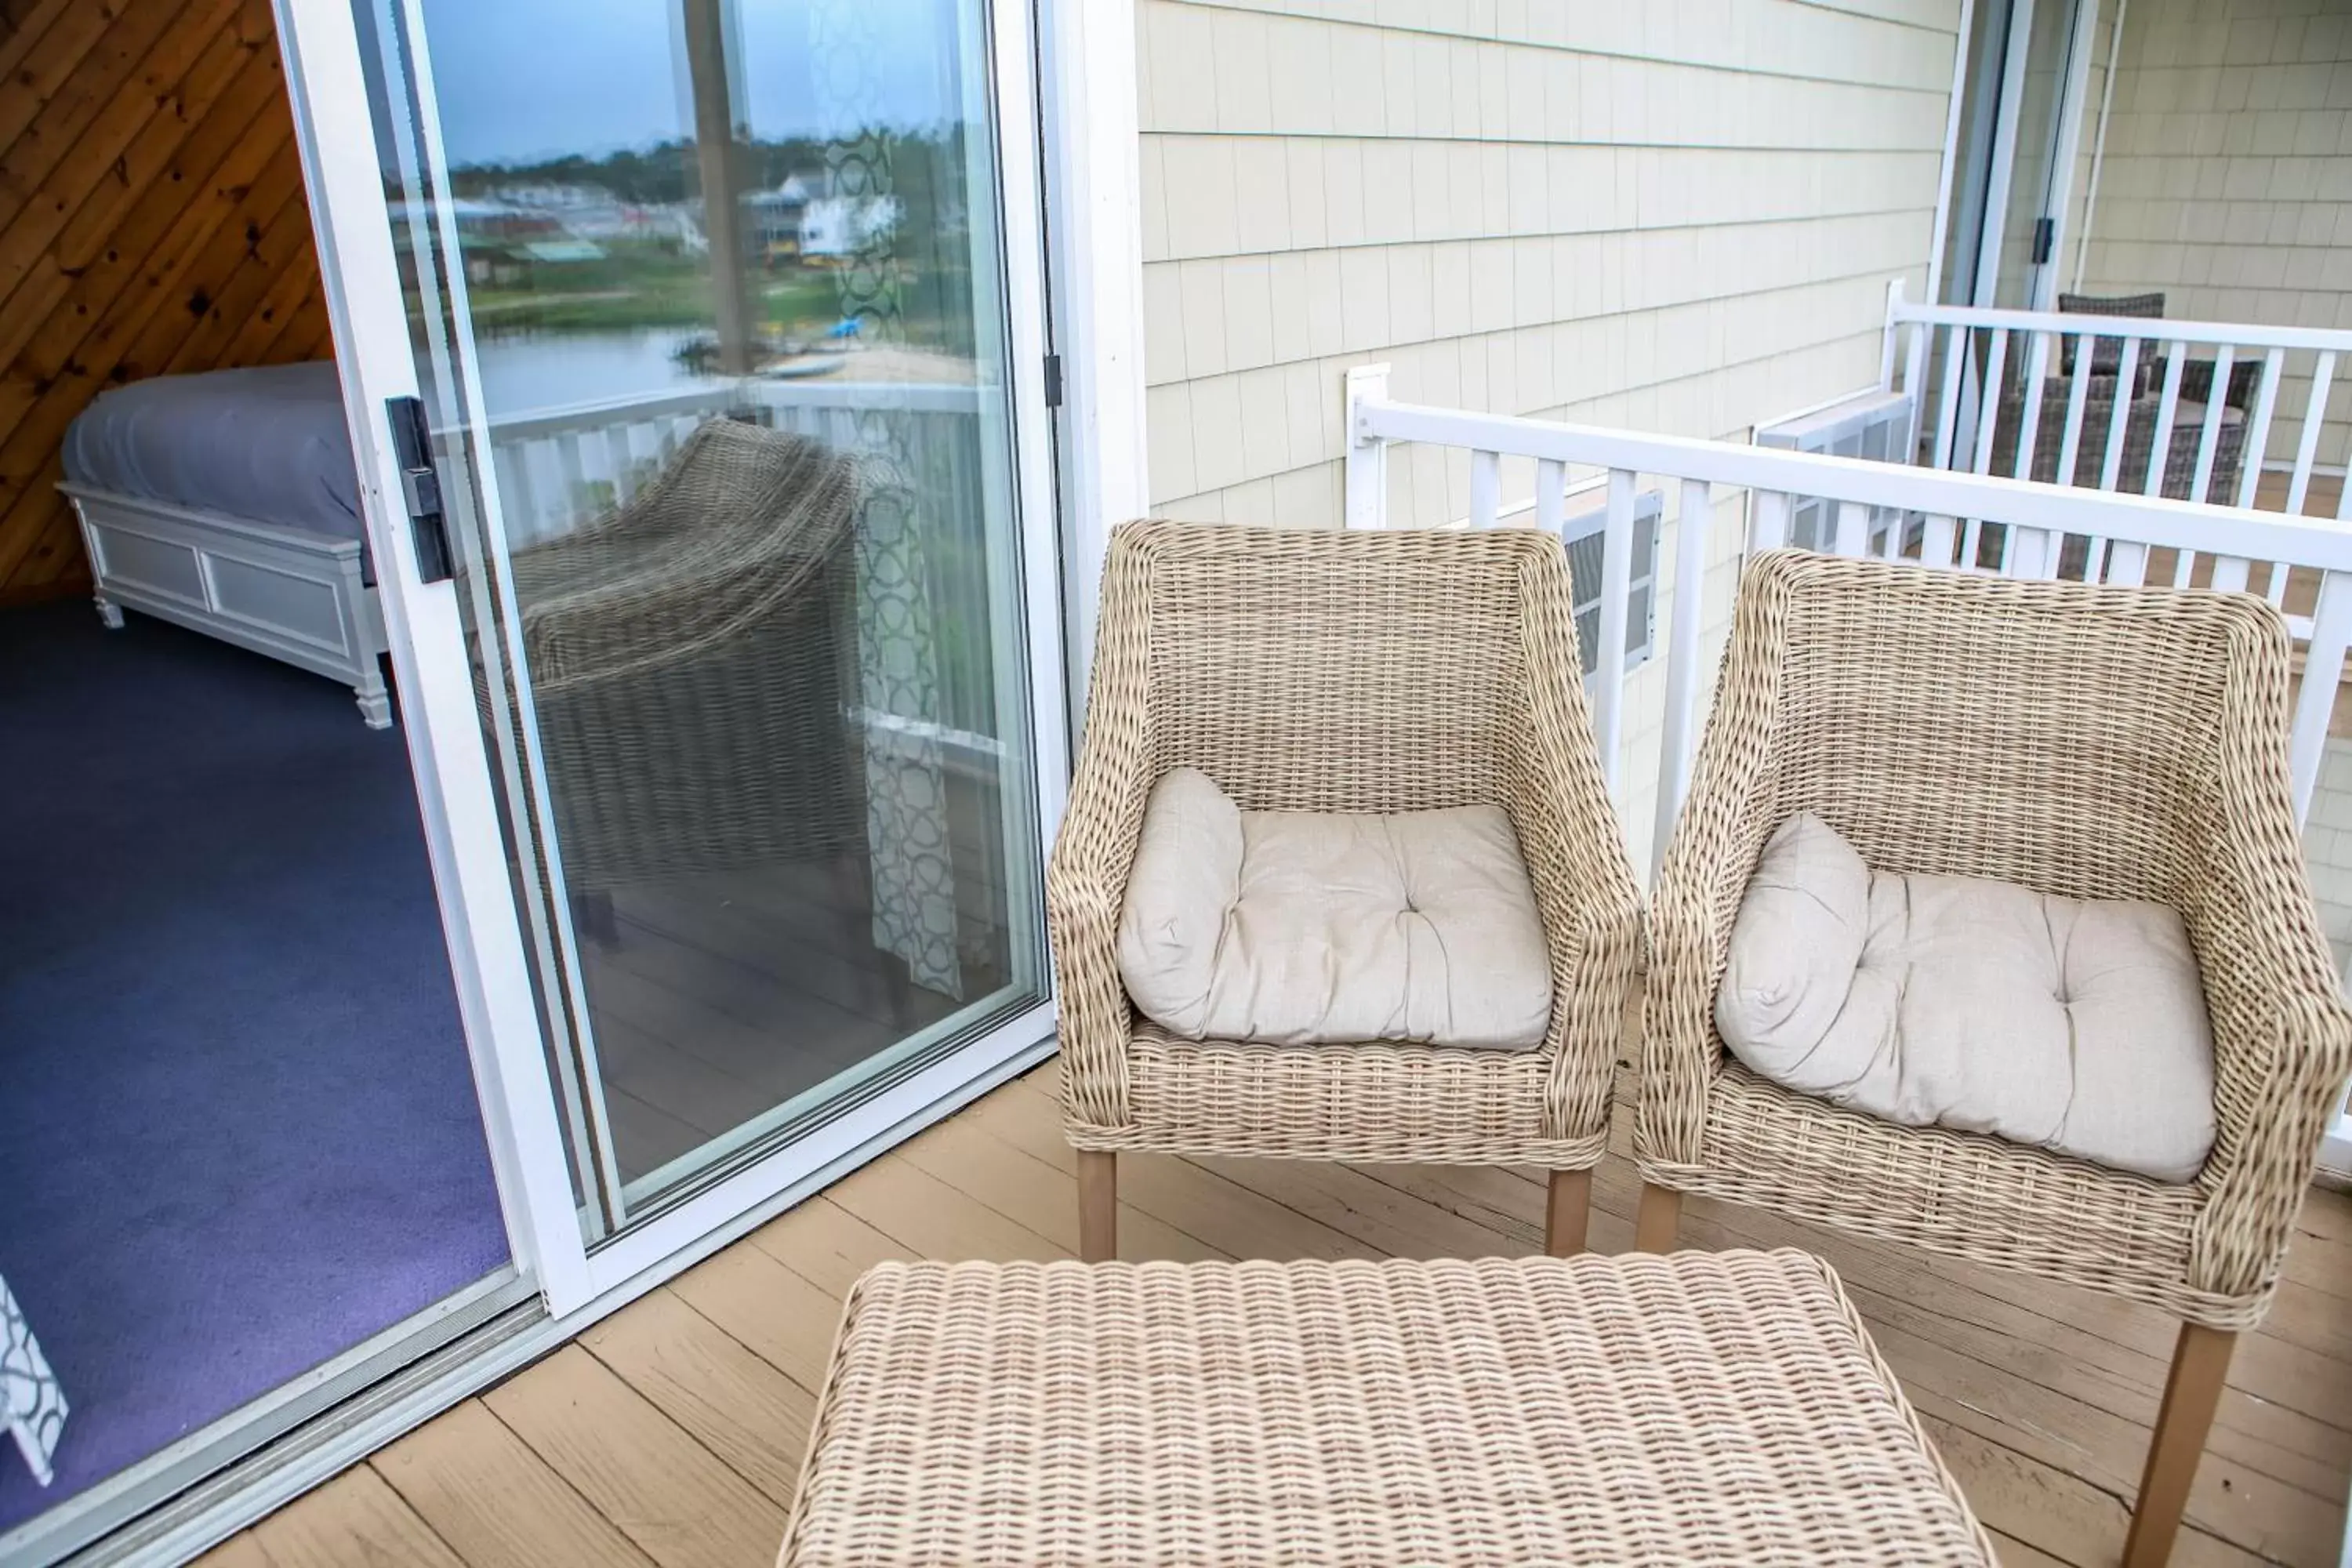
column 748, row 662
column 241, row 1134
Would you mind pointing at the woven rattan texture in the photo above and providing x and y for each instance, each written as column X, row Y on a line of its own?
column 692, row 658
column 1339, row 671
column 1704, row 1408
column 2094, row 742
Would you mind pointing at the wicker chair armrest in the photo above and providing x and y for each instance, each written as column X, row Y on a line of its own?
column 1093, row 852
column 1591, row 909
column 1574, row 849
column 1725, row 820
column 2282, row 1032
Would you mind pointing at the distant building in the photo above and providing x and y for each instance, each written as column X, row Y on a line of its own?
column 835, row 229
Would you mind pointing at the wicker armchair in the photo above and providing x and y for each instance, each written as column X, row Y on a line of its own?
column 2093, row 742
column 1332, row 671
column 692, row 657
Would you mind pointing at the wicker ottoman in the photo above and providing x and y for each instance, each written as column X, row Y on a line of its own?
column 1715, row 1407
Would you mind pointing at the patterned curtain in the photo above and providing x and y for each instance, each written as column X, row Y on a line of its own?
column 906, row 818
column 31, row 1405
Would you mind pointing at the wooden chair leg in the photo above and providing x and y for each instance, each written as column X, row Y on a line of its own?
column 1098, row 1205
column 2201, row 1366
column 1660, row 1217
column 1568, row 1210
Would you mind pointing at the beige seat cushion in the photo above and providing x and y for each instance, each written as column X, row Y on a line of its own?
column 2074, row 1026
column 1306, row 928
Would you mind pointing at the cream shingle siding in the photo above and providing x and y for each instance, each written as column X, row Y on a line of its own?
column 2227, row 180
column 1678, row 215
column 1675, row 215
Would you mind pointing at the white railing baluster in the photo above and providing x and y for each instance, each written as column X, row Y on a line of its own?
column 2167, row 409
column 2258, row 428
column 516, row 505
column 1616, row 585
column 1485, row 488
column 2111, row 471
column 1852, row 528
column 2159, row 458
column 625, row 464
column 1987, row 425
column 1948, row 401
column 2210, row 441
column 2307, row 447
column 1915, row 370
column 573, row 475
column 1937, row 541
column 1768, row 526
column 1695, row 524
column 2323, row 675
column 2078, row 398
column 2095, row 561
column 1551, row 497
column 2128, row 564
column 2029, row 423
column 1989, row 416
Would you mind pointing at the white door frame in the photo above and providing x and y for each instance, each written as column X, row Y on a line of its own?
column 1094, row 185
column 468, row 851
column 2067, row 139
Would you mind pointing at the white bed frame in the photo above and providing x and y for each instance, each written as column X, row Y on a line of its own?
column 293, row 595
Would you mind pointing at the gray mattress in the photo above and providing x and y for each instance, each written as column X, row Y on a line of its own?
column 266, row 443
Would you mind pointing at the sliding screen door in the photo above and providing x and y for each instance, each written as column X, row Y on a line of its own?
column 722, row 320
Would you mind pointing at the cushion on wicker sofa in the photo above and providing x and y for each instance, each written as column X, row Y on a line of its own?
column 2074, row 1025
column 1306, row 928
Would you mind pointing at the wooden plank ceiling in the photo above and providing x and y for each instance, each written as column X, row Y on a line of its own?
column 152, row 221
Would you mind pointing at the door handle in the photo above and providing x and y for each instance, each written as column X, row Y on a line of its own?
column 420, row 489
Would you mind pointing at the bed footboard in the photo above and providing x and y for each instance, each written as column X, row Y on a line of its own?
column 296, row 597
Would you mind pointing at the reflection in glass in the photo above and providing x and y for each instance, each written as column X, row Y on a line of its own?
column 726, row 291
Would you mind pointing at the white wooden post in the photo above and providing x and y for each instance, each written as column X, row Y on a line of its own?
column 1616, row 588
column 1367, row 455
column 1886, row 337
column 1551, row 495
column 2323, row 673
column 1485, row 488
column 2306, row 450
column 1691, row 531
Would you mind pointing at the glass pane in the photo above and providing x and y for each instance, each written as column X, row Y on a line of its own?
column 2030, row 178
column 710, row 297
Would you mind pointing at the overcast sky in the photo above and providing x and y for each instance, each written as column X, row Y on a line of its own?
column 519, row 80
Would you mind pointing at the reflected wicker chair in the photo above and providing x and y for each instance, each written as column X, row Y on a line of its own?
column 1330, row 672
column 692, row 657
column 2147, row 398
column 2093, row 742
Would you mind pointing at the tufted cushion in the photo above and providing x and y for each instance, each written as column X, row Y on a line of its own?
column 1304, row 928
column 2076, row 1026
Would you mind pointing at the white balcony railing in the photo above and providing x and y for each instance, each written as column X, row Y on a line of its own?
column 1949, row 510
column 2201, row 411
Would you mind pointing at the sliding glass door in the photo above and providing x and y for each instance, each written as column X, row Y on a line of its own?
column 706, row 339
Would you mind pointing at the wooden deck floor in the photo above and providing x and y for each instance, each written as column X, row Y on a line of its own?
column 670, row 1435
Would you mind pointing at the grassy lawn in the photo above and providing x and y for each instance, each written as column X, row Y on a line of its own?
column 646, row 286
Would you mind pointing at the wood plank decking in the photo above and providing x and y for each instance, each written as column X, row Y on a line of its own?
column 670, row 1434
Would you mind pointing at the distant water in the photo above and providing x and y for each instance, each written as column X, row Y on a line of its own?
column 525, row 372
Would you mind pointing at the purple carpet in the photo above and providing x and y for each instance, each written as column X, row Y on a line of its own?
column 238, row 1127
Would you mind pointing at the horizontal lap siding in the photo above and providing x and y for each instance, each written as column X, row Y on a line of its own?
column 151, row 221
column 2227, row 178
column 1678, row 215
